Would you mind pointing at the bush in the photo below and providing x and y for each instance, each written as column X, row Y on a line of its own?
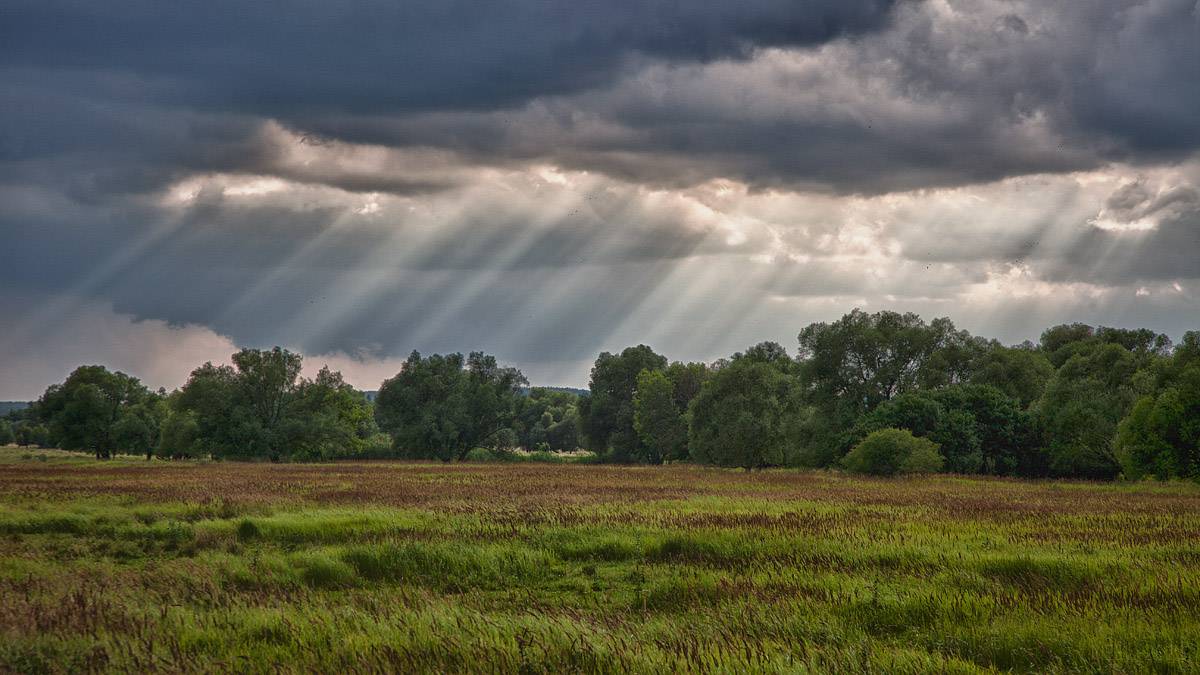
column 923, row 459
column 890, row 451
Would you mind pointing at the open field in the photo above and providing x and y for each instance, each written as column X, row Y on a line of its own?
column 127, row 565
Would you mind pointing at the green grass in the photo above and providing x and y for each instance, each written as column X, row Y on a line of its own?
column 768, row 572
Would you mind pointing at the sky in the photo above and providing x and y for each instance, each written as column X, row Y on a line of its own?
column 545, row 180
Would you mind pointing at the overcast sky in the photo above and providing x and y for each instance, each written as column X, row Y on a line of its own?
column 545, row 179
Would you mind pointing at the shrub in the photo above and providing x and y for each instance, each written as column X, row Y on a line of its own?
column 923, row 459
column 890, row 451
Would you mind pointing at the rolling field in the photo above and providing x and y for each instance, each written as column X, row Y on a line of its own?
column 134, row 566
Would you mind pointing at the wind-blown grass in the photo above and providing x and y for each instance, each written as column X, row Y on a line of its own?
column 129, row 566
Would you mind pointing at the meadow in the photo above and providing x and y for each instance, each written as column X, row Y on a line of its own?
column 128, row 565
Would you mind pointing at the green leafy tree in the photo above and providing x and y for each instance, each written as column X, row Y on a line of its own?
column 660, row 425
column 607, row 416
column 138, row 427
column 1017, row 372
column 687, row 379
column 1062, row 342
column 30, row 434
column 739, row 417
column 1007, row 435
column 83, row 412
column 858, row 362
column 977, row 428
column 6, row 433
column 1083, row 403
column 549, row 417
column 210, row 400
column 179, row 436
column 327, row 418
column 771, row 353
column 443, row 407
column 267, row 386
column 261, row 407
column 887, row 452
column 1161, row 435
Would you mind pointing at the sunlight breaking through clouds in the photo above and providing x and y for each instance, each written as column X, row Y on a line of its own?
column 1008, row 163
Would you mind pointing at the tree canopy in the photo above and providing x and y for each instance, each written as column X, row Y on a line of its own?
column 443, row 407
column 739, row 417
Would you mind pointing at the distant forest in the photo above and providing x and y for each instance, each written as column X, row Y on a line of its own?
column 9, row 406
column 882, row 393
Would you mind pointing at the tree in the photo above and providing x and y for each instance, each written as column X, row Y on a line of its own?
column 327, row 418
column 266, row 386
column 1161, row 435
column 179, row 437
column 30, row 434
column 1006, row 434
column 771, row 353
column 660, row 425
column 550, row 418
column 83, row 412
column 6, row 432
column 1019, row 373
column 1083, row 403
column 977, row 428
column 856, row 363
column 442, row 407
column 137, row 428
column 863, row 359
column 261, row 407
column 887, row 452
column 739, row 417
column 210, row 400
column 1062, row 342
column 607, row 417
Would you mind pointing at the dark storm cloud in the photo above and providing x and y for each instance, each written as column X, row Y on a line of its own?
column 380, row 56
column 946, row 94
column 408, row 137
column 900, row 96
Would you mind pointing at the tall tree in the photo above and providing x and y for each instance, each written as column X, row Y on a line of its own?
column 660, row 424
column 266, row 386
column 210, row 399
column 862, row 360
column 549, row 420
column 739, row 417
column 442, row 407
column 1083, row 403
column 137, row 427
column 856, row 363
column 607, row 417
column 1161, row 435
column 327, row 418
column 1017, row 372
column 82, row 413
column 261, row 407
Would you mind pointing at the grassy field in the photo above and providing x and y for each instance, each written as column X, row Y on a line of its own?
column 135, row 566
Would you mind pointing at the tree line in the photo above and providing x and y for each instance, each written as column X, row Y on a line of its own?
column 874, row 392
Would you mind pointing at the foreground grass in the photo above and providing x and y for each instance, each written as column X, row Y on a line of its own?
column 384, row 566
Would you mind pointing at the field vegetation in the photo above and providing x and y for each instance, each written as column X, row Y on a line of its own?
column 128, row 565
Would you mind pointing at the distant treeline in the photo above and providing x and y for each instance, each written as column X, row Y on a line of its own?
column 9, row 406
column 879, row 393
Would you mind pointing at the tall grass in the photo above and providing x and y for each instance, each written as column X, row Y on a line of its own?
column 604, row 570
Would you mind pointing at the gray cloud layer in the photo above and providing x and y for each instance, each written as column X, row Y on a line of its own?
column 548, row 179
